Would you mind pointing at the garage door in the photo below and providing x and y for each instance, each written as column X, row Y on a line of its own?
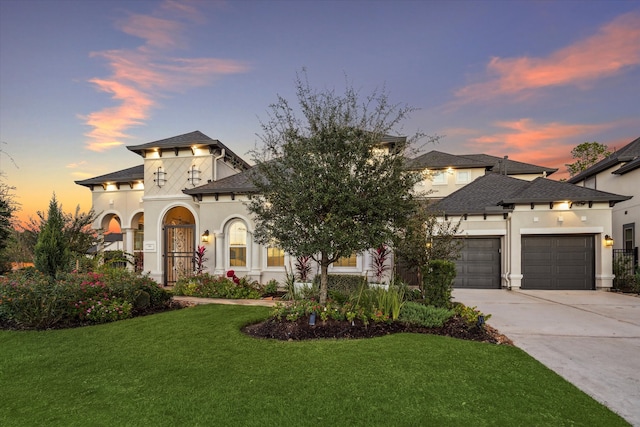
column 558, row 262
column 479, row 264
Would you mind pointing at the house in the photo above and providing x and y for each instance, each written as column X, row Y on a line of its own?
column 448, row 172
column 538, row 234
column 193, row 190
column 620, row 173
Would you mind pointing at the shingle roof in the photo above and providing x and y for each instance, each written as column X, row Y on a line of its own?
column 188, row 140
column 439, row 160
column 239, row 183
column 496, row 193
column 627, row 154
column 129, row 175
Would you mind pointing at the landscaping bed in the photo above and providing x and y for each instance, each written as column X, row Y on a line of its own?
column 300, row 329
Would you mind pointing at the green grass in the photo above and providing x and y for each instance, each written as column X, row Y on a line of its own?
column 194, row 367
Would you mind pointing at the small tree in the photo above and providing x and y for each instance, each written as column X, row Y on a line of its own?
column 427, row 237
column 52, row 250
column 326, row 189
column 586, row 154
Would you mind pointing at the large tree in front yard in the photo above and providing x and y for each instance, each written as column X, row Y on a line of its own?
column 327, row 187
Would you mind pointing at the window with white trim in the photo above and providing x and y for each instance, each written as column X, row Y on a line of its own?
column 238, row 244
column 275, row 257
column 439, row 177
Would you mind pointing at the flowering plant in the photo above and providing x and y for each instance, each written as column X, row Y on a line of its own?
column 379, row 261
column 303, row 268
column 200, row 259
column 232, row 275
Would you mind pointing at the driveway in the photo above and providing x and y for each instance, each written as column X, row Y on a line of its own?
column 590, row 338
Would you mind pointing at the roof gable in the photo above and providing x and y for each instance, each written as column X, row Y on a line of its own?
column 497, row 193
column 124, row 176
column 439, row 160
column 188, row 141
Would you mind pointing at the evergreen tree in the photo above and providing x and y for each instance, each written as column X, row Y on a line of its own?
column 52, row 250
column 327, row 185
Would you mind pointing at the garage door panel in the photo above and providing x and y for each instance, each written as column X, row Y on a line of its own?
column 479, row 264
column 558, row 262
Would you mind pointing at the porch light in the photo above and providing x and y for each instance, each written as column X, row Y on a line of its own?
column 608, row 240
column 205, row 237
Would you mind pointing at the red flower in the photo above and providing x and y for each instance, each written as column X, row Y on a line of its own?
column 231, row 273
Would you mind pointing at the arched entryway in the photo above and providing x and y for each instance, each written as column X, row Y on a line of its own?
column 179, row 238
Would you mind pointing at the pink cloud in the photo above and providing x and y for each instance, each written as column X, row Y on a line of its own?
column 141, row 76
column 614, row 48
column 547, row 144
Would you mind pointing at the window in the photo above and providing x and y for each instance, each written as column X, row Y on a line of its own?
column 463, row 177
column 347, row 261
column 275, row 257
column 439, row 177
column 238, row 244
column 628, row 231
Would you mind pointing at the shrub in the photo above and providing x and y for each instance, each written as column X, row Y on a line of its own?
column 471, row 315
column 341, row 287
column 33, row 300
column 427, row 316
column 438, row 279
column 208, row 286
column 271, row 288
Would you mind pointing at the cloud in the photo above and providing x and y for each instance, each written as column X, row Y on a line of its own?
column 546, row 144
column 141, row 76
column 76, row 165
column 612, row 50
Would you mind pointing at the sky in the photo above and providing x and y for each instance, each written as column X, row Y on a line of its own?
column 80, row 80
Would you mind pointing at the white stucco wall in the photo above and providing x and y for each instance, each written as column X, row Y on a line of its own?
column 544, row 220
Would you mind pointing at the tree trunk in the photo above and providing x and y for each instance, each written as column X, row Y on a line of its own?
column 324, row 268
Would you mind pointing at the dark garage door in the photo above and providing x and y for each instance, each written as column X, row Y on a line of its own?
column 558, row 262
column 479, row 264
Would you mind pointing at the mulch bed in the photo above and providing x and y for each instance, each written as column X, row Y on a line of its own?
column 284, row 330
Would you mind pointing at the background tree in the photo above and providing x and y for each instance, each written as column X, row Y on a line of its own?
column 52, row 250
column 8, row 206
column 586, row 155
column 325, row 189
column 427, row 237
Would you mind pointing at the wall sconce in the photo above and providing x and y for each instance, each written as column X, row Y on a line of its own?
column 205, row 237
column 608, row 240
column 161, row 177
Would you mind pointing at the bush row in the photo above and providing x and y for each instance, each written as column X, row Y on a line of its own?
column 30, row 299
column 211, row 286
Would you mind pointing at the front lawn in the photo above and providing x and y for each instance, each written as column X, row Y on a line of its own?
column 195, row 367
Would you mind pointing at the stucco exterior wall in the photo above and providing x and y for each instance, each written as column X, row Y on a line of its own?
column 544, row 220
column 627, row 212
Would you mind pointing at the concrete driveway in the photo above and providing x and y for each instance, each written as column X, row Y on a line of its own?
column 590, row 338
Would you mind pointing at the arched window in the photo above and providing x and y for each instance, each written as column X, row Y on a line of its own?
column 238, row 244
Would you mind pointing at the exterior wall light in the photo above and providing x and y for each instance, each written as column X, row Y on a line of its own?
column 608, row 240
column 161, row 177
column 205, row 237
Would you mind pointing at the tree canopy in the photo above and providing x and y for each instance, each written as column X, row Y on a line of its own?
column 586, row 155
column 328, row 186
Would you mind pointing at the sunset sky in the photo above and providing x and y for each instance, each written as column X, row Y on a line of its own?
column 79, row 80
